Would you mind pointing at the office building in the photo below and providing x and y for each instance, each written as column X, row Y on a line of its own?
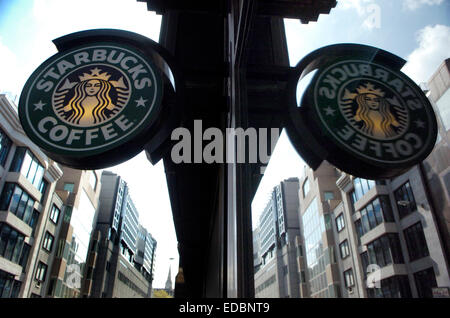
column 71, row 268
column 436, row 168
column 27, row 203
column 376, row 239
column 318, row 196
column 121, row 269
column 278, row 235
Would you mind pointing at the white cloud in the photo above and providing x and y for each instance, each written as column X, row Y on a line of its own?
column 432, row 51
column 358, row 5
column 415, row 4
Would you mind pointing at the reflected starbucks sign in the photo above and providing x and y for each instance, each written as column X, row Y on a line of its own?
column 362, row 114
column 372, row 111
column 91, row 98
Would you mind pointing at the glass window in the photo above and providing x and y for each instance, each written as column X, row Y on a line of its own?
column 11, row 243
column 41, row 272
column 33, row 221
column 425, row 281
column 28, row 165
column 19, row 202
column 349, row 279
column 305, row 187
column 416, row 242
column 24, row 256
column 328, row 195
column 48, row 242
column 377, row 210
column 5, row 146
column 404, row 197
column 54, row 214
column 345, row 251
column 365, row 221
column 371, row 216
column 5, row 198
column 43, row 187
column 69, row 187
column 385, row 250
column 340, row 223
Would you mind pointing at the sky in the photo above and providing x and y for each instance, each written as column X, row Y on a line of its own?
column 416, row 30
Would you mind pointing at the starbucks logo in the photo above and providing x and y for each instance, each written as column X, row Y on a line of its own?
column 90, row 99
column 377, row 113
column 372, row 111
column 90, row 96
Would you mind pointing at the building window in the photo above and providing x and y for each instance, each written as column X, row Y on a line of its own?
column 392, row 287
column 361, row 187
column 345, row 250
column 365, row 263
column 415, row 240
column 43, row 187
column 93, row 180
column 425, row 281
column 48, row 242
column 340, row 224
column 54, row 214
column 11, row 243
column 28, row 165
column 69, row 187
column 5, row 146
column 406, row 204
column 17, row 201
column 349, row 278
column 24, row 257
column 328, row 195
column 41, row 272
column 374, row 213
column 385, row 250
column 9, row 288
column 305, row 187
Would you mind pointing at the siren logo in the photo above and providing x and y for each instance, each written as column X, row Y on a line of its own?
column 373, row 111
column 89, row 99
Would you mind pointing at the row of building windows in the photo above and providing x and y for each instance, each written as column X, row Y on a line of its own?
column 11, row 244
column 17, row 201
column 392, row 287
column 9, row 287
column 361, row 187
column 272, row 279
column 28, row 165
column 130, row 284
column 373, row 214
column 385, row 250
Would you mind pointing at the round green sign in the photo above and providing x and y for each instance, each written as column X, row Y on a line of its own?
column 373, row 112
column 91, row 99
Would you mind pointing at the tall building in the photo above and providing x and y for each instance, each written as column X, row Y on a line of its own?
column 27, row 206
column 436, row 168
column 121, row 270
column 370, row 239
column 279, row 232
column 318, row 197
column 72, row 267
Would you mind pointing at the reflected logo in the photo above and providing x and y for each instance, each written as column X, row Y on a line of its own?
column 372, row 111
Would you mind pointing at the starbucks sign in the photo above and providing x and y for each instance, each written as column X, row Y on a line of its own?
column 94, row 97
column 369, row 118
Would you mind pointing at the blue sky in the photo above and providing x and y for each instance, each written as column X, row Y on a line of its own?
column 416, row 30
